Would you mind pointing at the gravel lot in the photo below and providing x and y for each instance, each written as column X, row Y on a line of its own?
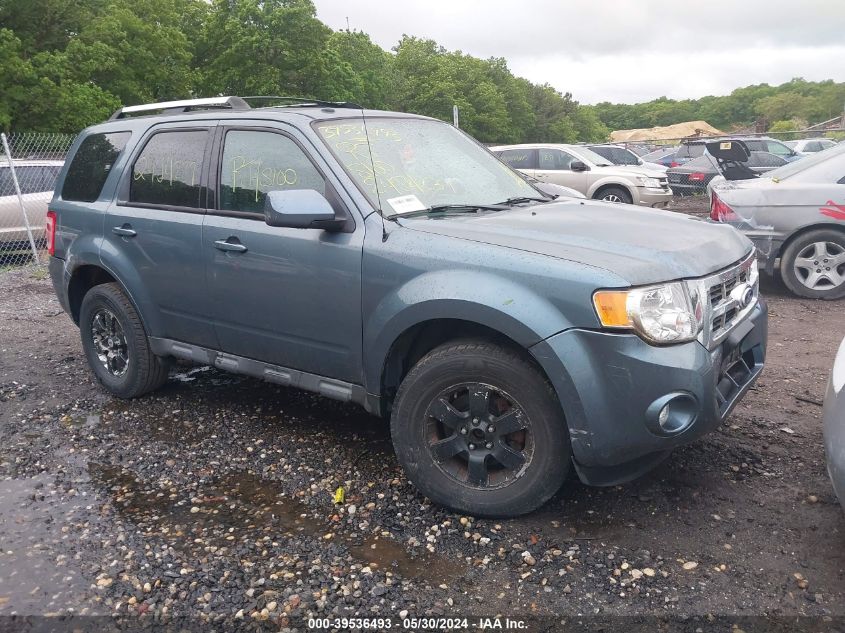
column 212, row 499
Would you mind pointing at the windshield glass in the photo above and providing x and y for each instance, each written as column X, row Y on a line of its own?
column 407, row 164
column 819, row 167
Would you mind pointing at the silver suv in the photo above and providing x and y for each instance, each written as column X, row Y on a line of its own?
column 593, row 175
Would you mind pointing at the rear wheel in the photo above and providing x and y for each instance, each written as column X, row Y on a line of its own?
column 116, row 344
column 614, row 194
column 478, row 429
column 813, row 265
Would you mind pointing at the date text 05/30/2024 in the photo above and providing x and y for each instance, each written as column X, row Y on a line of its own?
column 418, row 624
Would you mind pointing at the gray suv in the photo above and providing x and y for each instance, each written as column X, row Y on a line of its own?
column 392, row 261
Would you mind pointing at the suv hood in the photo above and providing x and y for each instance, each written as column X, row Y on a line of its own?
column 629, row 171
column 642, row 246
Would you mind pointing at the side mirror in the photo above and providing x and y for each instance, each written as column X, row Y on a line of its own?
column 735, row 151
column 300, row 209
column 577, row 165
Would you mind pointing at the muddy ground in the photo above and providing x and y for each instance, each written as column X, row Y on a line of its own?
column 212, row 500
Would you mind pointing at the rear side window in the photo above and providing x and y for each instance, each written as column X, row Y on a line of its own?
column 167, row 171
column 91, row 166
column 519, row 158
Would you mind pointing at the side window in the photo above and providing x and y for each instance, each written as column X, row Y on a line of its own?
column 554, row 159
column 91, row 165
column 256, row 162
column 813, row 146
column 7, row 188
column 167, row 171
column 519, row 158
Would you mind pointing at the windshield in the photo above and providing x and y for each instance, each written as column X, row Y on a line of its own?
column 819, row 167
column 407, row 164
column 617, row 155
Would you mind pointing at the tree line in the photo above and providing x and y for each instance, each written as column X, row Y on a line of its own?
column 790, row 106
column 65, row 64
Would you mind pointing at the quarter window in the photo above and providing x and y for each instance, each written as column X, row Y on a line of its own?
column 168, row 170
column 255, row 163
column 91, row 165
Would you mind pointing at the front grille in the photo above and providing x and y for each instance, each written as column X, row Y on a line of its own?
column 724, row 306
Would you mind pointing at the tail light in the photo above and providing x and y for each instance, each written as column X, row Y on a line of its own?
column 720, row 211
column 51, row 232
column 696, row 177
column 674, row 164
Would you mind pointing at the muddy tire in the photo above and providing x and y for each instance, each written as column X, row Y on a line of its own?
column 813, row 265
column 614, row 194
column 478, row 429
column 116, row 344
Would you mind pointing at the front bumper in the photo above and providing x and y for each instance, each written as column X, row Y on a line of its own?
column 608, row 385
column 652, row 197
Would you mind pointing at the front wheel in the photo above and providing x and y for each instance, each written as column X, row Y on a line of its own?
column 614, row 194
column 116, row 344
column 478, row 429
column 813, row 265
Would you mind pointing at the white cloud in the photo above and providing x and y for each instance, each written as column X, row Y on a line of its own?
column 622, row 50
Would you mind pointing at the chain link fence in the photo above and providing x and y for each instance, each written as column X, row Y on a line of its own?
column 29, row 165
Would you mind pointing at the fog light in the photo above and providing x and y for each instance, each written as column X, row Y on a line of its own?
column 672, row 414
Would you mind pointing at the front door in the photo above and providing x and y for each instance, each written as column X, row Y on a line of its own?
column 553, row 165
column 291, row 297
column 155, row 230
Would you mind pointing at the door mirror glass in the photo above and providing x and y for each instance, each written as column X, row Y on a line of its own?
column 300, row 209
column 577, row 165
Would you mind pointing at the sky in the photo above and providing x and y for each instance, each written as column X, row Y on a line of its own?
column 623, row 51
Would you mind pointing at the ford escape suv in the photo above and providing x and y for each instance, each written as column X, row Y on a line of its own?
column 390, row 260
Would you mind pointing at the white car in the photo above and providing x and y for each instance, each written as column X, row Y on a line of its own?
column 579, row 168
column 807, row 146
column 36, row 179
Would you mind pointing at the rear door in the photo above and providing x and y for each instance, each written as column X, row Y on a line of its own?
column 554, row 165
column 154, row 230
column 286, row 296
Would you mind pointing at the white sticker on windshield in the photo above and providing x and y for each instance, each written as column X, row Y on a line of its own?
column 406, row 204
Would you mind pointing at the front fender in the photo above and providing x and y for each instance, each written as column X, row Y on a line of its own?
column 614, row 181
column 474, row 296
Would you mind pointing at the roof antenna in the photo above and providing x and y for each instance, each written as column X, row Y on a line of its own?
column 384, row 233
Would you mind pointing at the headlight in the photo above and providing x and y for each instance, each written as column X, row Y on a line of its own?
column 649, row 182
column 666, row 313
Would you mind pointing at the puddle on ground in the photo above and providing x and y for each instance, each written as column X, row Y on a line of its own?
column 243, row 505
column 34, row 577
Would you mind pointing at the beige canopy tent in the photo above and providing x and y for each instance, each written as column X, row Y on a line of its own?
column 677, row 131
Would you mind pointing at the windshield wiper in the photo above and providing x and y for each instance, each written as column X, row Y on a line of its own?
column 460, row 208
column 521, row 199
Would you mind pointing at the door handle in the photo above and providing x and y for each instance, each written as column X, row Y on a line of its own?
column 230, row 245
column 124, row 231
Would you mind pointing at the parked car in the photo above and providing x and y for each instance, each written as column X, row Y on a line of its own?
column 664, row 156
column 391, row 261
column 694, row 176
column 619, row 155
column 834, row 425
column 36, row 179
column 695, row 148
column 806, row 146
column 593, row 175
column 795, row 215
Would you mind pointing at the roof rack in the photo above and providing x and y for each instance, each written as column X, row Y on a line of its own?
column 185, row 105
column 301, row 102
